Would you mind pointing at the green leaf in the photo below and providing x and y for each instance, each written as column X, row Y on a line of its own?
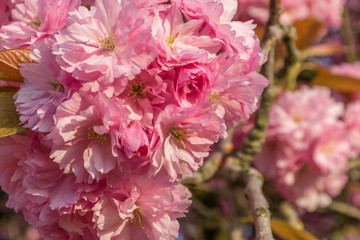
column 9, row 63
column 285, row 231
column 9, row 118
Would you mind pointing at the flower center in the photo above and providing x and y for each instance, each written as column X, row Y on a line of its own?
column 137, row 90
column 327, row 148
column 214, row 97
column 92, row 135
column 108, row 42
column 35, row 23
column 137, row 218
column 56, row 86
column 170, row 40
column 297, row 119
column 178, row 136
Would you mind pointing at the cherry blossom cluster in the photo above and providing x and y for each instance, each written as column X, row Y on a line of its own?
column 123, row 98
column 328, row 12
column 307, row 146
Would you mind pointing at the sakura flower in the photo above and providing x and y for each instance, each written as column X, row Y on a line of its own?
column 326, row 11
column 299, row 123
column 5, row 10
column 86, row 136
column 116, row 45
column 313, row 189
column 179, row 42
column 160, row 5
column 192, row 84
column 37, row 187
column 141, row 208
column 35, row 20
column 185, row 137
column 144, row 93
column 234, row 38
column 331, row 149
column 136, row 142
column 45, row 87
column 351, row 119
column 239, row 98
column 306, row 151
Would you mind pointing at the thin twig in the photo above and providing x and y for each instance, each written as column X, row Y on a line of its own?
column 255, row 138
column 259, row 205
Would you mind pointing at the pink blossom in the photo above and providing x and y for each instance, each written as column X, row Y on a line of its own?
column 141, row 208
column 144, row 93
column 5, row 11
column 35, row 20
column 181, row 43
column 256, row 10
column 116, row 45
column 306, row 151
column 45, row 87
column 326, row 11
column 331, row 149
column 160, row 5
column 299, row 123
column 192, row 84
column 37, row 187
column 347, row 69
column 136, row 142
column 309, row 189
column 352, row 122
column 185, row 137
column 239, row 98
column 86, row 136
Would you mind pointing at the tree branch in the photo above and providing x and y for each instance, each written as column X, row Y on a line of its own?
column 259, row 205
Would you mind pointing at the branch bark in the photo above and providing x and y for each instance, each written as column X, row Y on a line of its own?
column 259, row 205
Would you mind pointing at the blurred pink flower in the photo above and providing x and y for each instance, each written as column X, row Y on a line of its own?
column 352, row 122
column 327, row 11
column 306, row 151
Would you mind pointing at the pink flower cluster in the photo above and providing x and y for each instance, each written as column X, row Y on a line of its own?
column 327, row 11
column 307, row 149
column 125, row 97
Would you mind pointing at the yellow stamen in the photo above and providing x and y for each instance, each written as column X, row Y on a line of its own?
column 92, row 135
column 297, row 118
column 213, row 97
column 108, row 42
column 327, row 148
column 36, row 22
column 136, row 90
column 178, row 135
column 137, row 218
column 56, row 86
column 170, row 40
